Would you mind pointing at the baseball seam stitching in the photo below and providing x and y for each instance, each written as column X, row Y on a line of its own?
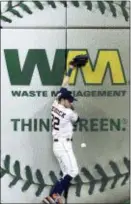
column 92, row 181
column 103, row 181
column 101, row 6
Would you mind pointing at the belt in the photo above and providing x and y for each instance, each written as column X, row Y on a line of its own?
column 68, row 139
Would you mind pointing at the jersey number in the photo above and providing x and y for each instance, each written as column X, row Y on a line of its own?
column 55, row 122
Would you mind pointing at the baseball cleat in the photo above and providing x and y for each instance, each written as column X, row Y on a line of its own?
column 48, row 200
column 45, row 201
column 57, row 198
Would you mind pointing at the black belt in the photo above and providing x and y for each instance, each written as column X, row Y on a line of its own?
column 68, row 139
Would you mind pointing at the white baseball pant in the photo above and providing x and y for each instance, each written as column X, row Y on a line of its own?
column 64, row 153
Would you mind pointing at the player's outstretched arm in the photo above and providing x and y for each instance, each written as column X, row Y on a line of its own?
column 65, row 81
column 78, row 62
column 67, row 76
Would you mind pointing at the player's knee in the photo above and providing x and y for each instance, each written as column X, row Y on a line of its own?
column 74, row 172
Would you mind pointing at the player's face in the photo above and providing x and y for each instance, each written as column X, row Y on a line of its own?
column 68, row 104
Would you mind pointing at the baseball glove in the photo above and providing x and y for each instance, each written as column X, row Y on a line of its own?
column 79, row 61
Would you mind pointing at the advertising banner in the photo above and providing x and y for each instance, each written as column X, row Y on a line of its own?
column 38, row 40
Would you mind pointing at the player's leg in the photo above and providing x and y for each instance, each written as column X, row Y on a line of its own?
column 59, row 153
column 54, row 194
column 66, row 158
column 69, row 167
column 72, row 169
column 64, row 182
column 71, row 162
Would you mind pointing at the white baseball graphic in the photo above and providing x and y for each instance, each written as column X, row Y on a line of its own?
column 33, row 38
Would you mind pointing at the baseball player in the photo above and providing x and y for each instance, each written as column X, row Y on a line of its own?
column 63, row 117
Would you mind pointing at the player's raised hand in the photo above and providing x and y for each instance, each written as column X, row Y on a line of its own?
column 79, row 61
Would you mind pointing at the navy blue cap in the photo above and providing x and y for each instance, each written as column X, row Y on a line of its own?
column 64, row 90
column 67, row 95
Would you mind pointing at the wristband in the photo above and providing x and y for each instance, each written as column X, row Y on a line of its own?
column 68, row 73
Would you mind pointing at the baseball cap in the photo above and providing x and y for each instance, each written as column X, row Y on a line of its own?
column 67, row 95
column 64, row 90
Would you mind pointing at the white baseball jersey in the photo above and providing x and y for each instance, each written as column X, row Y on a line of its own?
column 62, row 119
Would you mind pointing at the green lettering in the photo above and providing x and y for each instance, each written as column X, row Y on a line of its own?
column 32, row 93
column 44, row 124
column 104, row 124
column 35, row 125
column 35, row 58
column 54, row 93
column 79, row 93
column 24, row 93
column 15, row 124
column 83, row 125
column 87, row 93
column 115, row 124
column 101, row 93
column 27, row 124
column 109, row 93
column 16, row 93
column 94, row 124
